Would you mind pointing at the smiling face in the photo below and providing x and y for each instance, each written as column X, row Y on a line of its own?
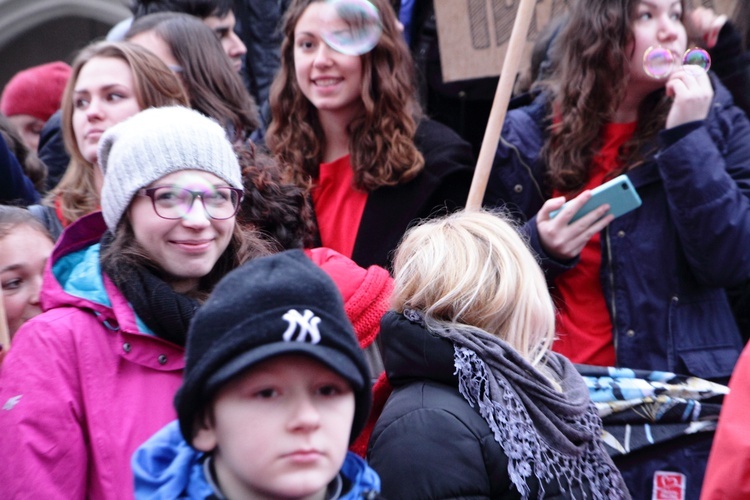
column 232, row 44
column 331, row 81
column 185, row 249
column 103, row 95
column 280, row 430
column 23, row 255
column 656, row 23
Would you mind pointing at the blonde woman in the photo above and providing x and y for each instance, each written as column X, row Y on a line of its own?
column 481, row 408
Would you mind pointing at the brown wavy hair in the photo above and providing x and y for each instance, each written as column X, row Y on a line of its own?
column 587, row 86
column 280, row 211
column 155, row 85
column 381, row 140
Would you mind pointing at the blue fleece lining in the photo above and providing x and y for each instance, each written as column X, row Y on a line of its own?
column 80, row 275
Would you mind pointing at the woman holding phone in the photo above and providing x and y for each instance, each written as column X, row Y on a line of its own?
column 644, row 290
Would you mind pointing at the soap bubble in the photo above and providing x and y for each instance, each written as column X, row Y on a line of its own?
column 659, row 62
column 697, row 57
column 353, row 27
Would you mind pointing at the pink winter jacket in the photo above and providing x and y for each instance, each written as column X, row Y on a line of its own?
column 81, row 388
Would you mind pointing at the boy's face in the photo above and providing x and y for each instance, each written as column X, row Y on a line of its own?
column 281, row 429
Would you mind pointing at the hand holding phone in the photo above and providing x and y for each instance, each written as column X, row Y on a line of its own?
column 618, row 193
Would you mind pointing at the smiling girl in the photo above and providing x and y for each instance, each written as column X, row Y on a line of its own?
column 95, row 374
column 349, row 127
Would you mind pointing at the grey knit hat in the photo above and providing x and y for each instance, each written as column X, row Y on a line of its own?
column 157, row 142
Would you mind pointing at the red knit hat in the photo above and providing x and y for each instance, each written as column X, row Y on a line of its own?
column 36, row 91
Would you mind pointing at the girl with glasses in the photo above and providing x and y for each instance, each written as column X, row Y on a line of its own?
column 97, row 370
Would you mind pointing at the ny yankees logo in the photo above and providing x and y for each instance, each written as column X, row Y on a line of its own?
column 307, row 323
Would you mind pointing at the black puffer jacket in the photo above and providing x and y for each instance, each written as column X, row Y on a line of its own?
column 429, row 443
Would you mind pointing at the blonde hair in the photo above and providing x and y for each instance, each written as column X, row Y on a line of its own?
column 472, row 270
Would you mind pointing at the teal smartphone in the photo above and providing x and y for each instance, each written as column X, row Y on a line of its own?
column 618, row 193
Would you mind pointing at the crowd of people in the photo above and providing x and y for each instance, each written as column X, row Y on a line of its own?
column 235, row 261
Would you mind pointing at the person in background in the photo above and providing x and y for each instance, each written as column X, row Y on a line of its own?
column 216, row 14
column 481, row 407
column 25, row 246
column 32, row 166
column 349, row 127
column 32, row 96
column 645, row 290
column 15, row 186
column 275, row 389
column 259, row 23
column 190, row 48
column 728, row 470
column 726, row 39
column 98, row 369
column 110, row 82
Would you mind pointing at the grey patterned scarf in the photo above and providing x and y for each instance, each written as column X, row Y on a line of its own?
column 551, row 434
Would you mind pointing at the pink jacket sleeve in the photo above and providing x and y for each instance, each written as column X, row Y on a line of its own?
column 42, row 446
column 728, row 471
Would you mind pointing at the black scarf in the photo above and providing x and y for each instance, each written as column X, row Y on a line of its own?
column 166, row 312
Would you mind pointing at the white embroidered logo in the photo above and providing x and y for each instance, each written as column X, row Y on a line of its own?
column 12, row 402
column 307, row 324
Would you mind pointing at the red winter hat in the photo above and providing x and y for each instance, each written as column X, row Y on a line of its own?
column 35, row 91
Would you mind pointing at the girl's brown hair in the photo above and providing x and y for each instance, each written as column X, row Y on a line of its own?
column 587, row 86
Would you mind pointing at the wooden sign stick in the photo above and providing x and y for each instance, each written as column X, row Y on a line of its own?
column 4, row 330
column 500, row 103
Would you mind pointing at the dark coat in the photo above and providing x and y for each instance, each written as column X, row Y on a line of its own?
column 15, row 187
column 52, row 150
column 429, row 443
column 732, row 65
column 443, row 184
column 665, row 264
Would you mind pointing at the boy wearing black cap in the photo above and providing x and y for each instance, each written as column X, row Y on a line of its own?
column 276, row 387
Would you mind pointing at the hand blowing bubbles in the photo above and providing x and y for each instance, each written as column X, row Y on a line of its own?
column 353, row 27
column 659, row 62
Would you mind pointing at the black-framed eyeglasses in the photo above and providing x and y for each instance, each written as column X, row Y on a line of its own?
column 173, row 202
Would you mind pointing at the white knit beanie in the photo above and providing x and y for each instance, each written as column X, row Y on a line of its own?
column 157, row 142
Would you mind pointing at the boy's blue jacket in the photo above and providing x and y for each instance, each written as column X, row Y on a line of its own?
column 166, row 467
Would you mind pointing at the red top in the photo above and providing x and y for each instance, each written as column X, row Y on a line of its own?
column 584, row 327
column 338, row 206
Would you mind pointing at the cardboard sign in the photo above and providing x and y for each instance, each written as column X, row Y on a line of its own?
column 473, row 34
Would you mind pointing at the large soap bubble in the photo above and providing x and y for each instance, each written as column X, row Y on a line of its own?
column 352, row 27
